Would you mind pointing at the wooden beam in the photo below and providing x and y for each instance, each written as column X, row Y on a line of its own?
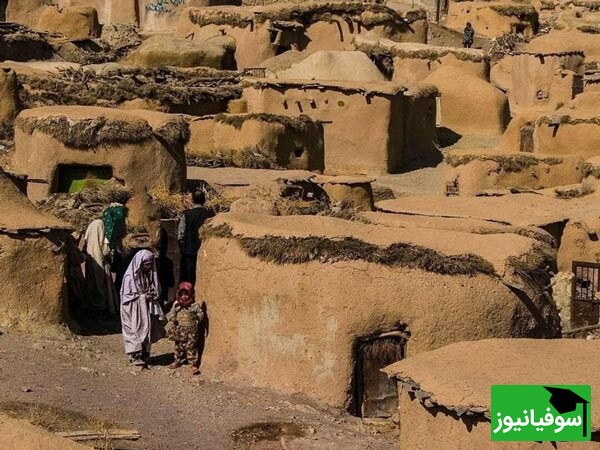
column 92, row 435
column 582, row 329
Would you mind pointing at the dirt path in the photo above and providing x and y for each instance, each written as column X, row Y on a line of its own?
column 172, row 410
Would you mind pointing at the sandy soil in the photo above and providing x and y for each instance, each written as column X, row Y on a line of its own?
column 171, row 409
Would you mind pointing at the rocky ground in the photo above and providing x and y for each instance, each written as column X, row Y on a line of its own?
column 171, row 409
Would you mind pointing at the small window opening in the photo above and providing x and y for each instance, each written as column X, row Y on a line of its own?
column 452, row 188
column 298, row 152
column 74, row 178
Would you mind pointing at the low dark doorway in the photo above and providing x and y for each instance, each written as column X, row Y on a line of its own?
column 376, row 395
column 527, row 139
column 73, row 178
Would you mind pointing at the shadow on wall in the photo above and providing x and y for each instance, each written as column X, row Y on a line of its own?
column 447, row 137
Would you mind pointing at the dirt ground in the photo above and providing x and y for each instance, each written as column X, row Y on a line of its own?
column 171, row 409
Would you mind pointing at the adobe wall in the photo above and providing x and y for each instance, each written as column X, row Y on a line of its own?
column 338, row 34
column 581, row 139
column 492, row 171
column 576, row 244
column 470, row 105
column 163, row 15
column 33, row 294
column 148, row 164
column 292, row 327
column 25, row 12
column 149, row 15
column 349, row 147
column 439, row 428
column 488, row 22
column 544, row 80
column 75, row 23
column 110, row 11
column 353, row 193
column 288, row 147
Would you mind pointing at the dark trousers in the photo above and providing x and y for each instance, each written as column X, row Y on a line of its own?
column 187, row 268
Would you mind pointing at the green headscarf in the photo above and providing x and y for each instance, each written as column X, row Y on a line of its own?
column 114, row 223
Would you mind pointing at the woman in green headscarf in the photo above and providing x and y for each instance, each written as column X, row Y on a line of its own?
column 114, row 224
column 115, row 229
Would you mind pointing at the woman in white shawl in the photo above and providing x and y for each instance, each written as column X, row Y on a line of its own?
column 141, row 315
column 100, row 290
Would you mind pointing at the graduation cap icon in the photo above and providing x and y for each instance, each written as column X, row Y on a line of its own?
column 566, row 401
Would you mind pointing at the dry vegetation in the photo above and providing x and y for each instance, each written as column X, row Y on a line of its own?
column 308, row 13
column 298, row 124
column 88, row 133
column 386, row 351
column 431, row 53
column 170, row 205
column 19, row 42
column 566, row 119
column 591, row 170
column 525, row 13
column 577, row 191
column 301, row 250
column 247, row 158
column 176, row 131
column 506, row 163
column 167, row 86
column 249, row 435
column 83, row 207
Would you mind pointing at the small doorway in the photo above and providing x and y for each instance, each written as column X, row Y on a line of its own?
column 526, row 139
column 375, row 395
column 585, row 305
column 74, row 178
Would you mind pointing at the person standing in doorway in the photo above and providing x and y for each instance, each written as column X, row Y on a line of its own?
column 188, row 236
column 468, row 36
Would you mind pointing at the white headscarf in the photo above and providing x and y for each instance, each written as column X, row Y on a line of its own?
column 134, row 273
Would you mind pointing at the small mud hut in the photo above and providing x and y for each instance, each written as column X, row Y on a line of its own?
column 61, row 148
column 545, row 79
column 401, row 132
column 413, row 62
column 493, row 19
column 471, row 172
column 445, row 394
column 256, row 141
column 301, row 303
